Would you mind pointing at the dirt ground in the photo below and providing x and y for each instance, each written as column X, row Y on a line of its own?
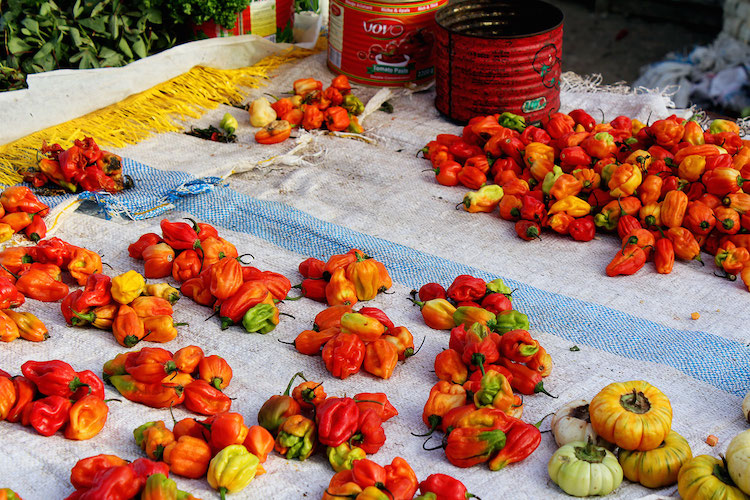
column 618, row 46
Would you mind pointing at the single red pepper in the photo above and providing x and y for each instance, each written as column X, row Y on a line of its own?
column 201, row 397
column 51, row 251
column 114, row 483
column 312, row 268
column 39, row 285
column 179, row 235
column 533, row 209
column 520, row 442
column 525, row 380
column 376, row 401
column 186, row 265
column 584, row 119
column 135, row 250
column 343, row 355
column 466, row 288
column 583, row 229
column 518, row 346
column 150, row 365
column 94, row 386
column 378, row 314
column 446, row 173
column 627, row 261
column 337, row 420
column 471, row 177
column 85, row 470
column 249, row 294
column 10, row 296
column 49, row 414
column 444, row 487
column 431, row 291
column 528, row 230
column 369, row 435
column 52, row 378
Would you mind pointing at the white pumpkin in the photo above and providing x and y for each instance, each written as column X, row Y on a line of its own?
column 572, row 423
column 738, row 461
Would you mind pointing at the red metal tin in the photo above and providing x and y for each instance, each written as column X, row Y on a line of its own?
column 271, row 19
column 387, row 43
column 494, row 56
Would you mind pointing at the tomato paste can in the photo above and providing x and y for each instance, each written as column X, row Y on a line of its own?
column 386, row 43
column 498, row 55
column 271, row 19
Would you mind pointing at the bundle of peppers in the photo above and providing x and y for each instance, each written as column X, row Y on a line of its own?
column 15, row 324
column 669, row 189
column 352, row 340
column 312, row 108
column 51, row 396
column 344, row 278
column 83, row 166
column 490, row 354
column 36, row 271
column 157, row 378
column 113, row 478
column 305, row 418
column 211, row 273
column 213, row 446
column 21, row 211
column 124, row 305
column 368, row 480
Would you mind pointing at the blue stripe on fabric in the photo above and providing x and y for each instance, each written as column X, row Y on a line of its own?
column 713, row 359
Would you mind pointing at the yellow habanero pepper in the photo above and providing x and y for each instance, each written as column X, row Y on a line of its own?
column 163, row 290
column 571, row 205
column 636, row 126
column 364, row 274
column 127, row 286
column 639, row 158
column 29, row 326
column 485, row 199
column 625, row 180
column 693, row 133
column 537, row 150
column 692, row 167
column 84, row 263
column 232, row 469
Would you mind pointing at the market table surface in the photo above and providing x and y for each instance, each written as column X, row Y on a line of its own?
column 336, row 193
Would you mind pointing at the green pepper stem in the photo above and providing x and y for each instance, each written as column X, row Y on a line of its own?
column 540, row 388
column 289, row 387
column 223, row 493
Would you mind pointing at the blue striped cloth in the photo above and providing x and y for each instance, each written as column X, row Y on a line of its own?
column 713, row 359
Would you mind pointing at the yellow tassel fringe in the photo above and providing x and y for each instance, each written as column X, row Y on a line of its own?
column 159, row 109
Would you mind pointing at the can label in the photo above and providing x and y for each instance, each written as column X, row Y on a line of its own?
column 384, row 44
column 480, row 76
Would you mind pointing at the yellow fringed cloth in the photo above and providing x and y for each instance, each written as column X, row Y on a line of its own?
column 162, row 108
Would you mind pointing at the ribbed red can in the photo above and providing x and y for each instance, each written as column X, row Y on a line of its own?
column 495, row 56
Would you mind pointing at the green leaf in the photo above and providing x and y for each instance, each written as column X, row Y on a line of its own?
column 114, row 24
column 45, row 9
column 98, row 8
column 139, row 47
column 77, row 9
column 125, row 48
column 44, row 52
column 153, row 16
column 17, row 46
column 96, row 24
column 575, row 348
column 31, row 25
column 75, row 36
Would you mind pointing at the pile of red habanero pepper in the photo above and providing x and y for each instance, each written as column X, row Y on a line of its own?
column 368, row 480
column 348, row 428
column 36, row 272
column 83, row 166
column 669, row 189
column 191, row 444
column 312, row 108
column 21, row 210
column 211, row 273
column 124, row 305
column 490, row 354
column 113, row 478
column 157, row 378
column 351, row 340
column 52, row 396
column 343, row 278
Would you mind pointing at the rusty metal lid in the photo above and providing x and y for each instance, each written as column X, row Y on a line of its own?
column 499, row 18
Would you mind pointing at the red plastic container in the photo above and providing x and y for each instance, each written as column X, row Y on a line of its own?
column 271, row 19
column 388, row 43
column 494, row 56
